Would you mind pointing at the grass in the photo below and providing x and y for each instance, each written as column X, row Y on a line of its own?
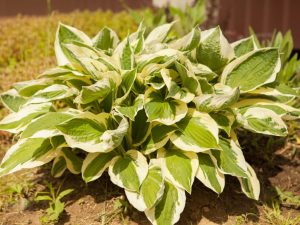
column 275, row 216
column 20, row 59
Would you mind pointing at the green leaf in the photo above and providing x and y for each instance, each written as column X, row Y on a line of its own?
column 73, row 162
column 179, row 167
column 128, row 79
column 97, row 91
column 230, row 159
column 167, row 211
column 166, row 111
column 279, row 108
column 132, row 110
column 59, row 166
column 64, row 193
column 27, row 153
column 218, row 101
column 151, row 189
column 44, row 126
column 105, row 39
column 281, row 92
column 197, row 132
column 51, row 93
column 28, row 88
column 188, row 79
column 224, row 119
column 214, row 50
column 187, row 42
column 159, row 136
column 127, row 57
column 243, row 46
column 252, row 70
column 262, row 120
column 93, row 133
column 209, row 174
column 95, row 164
column 175, row 91
column 12, row 100
column 17, row 121
column 140, row 128
column 67, row 34
column 129, row 171
column 158, row 34
column 43, row 198
column 250, row 184
column 289, row 70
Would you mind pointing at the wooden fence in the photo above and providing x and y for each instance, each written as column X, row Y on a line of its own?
column 234, row 16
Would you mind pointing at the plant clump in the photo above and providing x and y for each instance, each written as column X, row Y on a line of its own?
column 156, row 111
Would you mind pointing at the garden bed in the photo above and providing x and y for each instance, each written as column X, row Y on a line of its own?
column 95, row 203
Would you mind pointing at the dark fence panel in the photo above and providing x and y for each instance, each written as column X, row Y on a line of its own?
column 235, row 16
column 41, row 7
column 265, row 16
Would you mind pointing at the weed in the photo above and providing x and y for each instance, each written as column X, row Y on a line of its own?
column 56, row 206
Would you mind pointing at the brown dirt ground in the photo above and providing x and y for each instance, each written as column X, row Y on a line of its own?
column 92, row 203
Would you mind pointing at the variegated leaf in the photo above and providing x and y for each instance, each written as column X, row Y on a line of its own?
column 175, row 91
column 197, row 132
column 132, row 110
column 214, row 50
column 166, row 111
column 93, row 133
column 28, row 88
column 67, row 34
column 262, row 120
column 51, row 93
column 250, row 184
column 59, row 166
column 12, row 100
column 167, row 211
column 179, row 167
column 243, row 46
column 230, row 159
column 281, row 92
column 150, row 191
column 97, row 91
column 95, row 164
column 159, row 136
column 105, row 39
column 27, row 153
column 17, row 121
column 279, row 108
column 44, row 126
column 158, row 34
column 252, row 70
column 129, row 171
column 187, row 42
column 209, row 174
column 218, row 101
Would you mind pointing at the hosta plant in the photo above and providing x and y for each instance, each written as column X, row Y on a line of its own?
column 155, row 111
column 290, row 64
